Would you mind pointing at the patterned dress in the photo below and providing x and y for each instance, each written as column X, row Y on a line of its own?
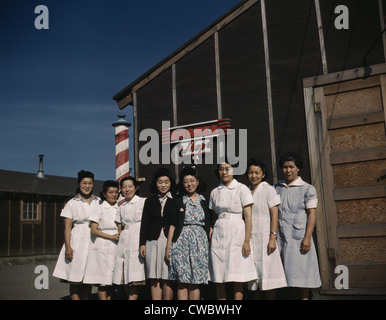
column 189, row 254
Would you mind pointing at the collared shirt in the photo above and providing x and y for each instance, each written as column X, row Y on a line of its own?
column 79, row 210
column 162, row 200
column 298, row 192
column 231, row 199
column 130, row 211
column 105, row 216
column 194, row 213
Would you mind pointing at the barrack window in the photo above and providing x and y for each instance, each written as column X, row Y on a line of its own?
column 30, row 211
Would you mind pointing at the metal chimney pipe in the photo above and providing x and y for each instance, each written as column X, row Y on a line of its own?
column 41, row 172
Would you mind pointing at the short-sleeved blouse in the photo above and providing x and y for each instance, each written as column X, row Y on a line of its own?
column 230, row 199
column 79, row 210
column 104, row 216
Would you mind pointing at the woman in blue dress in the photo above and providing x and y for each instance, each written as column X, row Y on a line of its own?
column 187, row 247
column 297, row 218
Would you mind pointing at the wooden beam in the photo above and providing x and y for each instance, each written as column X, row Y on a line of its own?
column 383, row 92
column 218, row 76
column 321, row 37
column 357, row 120
column 316, row 176
column 358, row 84
column 360, row 193
column 342, row 76
column 358, row 155
column 327, row 174
column 269, row 91
column 360, row 231
column 136, row 136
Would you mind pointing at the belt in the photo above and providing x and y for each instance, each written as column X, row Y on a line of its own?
column 127, row 226
column 226, row 215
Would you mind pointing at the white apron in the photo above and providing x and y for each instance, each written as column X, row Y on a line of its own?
column 79, row 211
column 73, row 271
column 129, row 265
column 269, row 267
column 101, row 255
column 226, row 262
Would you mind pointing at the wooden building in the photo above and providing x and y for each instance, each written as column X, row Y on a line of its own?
column 302, row 76
column 30, row 207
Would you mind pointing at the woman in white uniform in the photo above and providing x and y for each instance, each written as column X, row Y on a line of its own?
column 230, row 258
column 104, row 238
column 129, row 267
column 267, row 259
column 73, row 255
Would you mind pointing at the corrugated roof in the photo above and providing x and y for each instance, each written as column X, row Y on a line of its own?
column 30, row 183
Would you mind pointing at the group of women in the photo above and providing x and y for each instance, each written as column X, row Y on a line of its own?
column 257, row 237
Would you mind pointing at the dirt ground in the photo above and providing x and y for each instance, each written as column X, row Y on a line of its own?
column 17, row 282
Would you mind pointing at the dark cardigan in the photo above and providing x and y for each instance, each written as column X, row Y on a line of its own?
column 177, row 217
column 152, row 221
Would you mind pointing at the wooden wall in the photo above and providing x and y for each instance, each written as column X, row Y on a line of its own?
column 351, row 138
column 18, row 237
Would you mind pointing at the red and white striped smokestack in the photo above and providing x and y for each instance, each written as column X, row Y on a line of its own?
column 122, row 168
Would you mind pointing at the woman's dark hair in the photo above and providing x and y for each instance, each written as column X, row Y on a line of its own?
column 81, row 175
column 130, row 178
column 218, row 167
column 190, row 171
column 290, row 156
column 106, row 185
column 162, row 172
column 257, row 163
column 85, row 174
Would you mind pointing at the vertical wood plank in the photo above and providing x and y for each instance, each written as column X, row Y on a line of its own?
column 383, row 92
column 316, row 176
column 321, row 37
column 269, row 91
column 135, row 127
column 218, row 75
column 328, row 187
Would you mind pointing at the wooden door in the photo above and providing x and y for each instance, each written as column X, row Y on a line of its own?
column 347, row 133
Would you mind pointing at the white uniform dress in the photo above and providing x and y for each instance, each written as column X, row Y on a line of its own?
column 269, row 268
column 79, row 211
column 129, row 265
column 101, row 255
column 226, row 262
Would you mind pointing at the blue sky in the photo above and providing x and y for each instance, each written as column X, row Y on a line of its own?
column 56, row 85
